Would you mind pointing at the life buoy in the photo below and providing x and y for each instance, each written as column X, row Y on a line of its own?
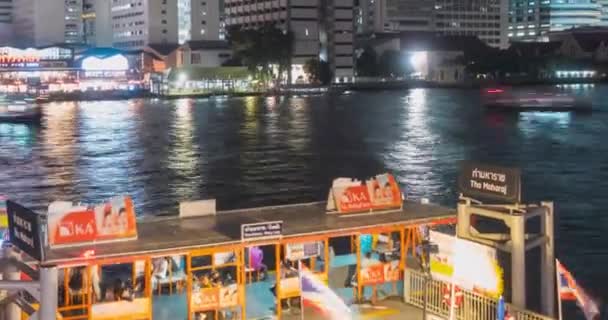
column 458, row 295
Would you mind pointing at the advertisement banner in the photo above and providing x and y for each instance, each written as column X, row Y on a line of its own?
column 205, row 299
column 299, row 251
column 372, row 275
column 228, row 296
column 70, row 225
column 453, row 261
column 379, row 193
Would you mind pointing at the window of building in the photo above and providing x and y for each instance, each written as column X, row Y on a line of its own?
column 163, row 21
column 164, row 30
column 203, row 22
column 202, row 31
column 163, row 11
column 195, row 58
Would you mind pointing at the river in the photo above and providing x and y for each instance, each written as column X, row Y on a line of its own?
column 256, row 151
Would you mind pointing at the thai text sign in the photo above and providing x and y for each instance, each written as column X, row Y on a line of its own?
column 299, row 251
column 380, row 273
column 379, row 193
column 113, row 220
column 207, row 299
column 24, row 230
column 262, row 230
column 492, row 182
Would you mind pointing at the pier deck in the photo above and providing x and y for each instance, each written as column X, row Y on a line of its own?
column 170, row 234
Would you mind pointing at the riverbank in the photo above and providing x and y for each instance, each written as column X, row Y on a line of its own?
column 308, row 89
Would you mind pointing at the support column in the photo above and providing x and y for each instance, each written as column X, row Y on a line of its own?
column 547, row 294
column 10, row 272
column 462, row 227
column 518, row 260
column 48, row 292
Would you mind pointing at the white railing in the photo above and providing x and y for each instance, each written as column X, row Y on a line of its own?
column 473, row 306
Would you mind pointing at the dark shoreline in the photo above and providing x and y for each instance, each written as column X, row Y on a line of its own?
column 337, row 88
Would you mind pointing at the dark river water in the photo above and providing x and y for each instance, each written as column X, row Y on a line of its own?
column 265, row 151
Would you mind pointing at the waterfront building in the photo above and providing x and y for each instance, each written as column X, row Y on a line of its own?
column 137, row 23
column 203, row 53
column 200, row 20
column 322, row 29
column 47, row 22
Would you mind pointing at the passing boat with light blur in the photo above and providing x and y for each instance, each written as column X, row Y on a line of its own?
column 533, row 99
column 20, row 109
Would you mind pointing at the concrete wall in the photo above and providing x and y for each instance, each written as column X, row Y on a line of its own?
column 206, row 58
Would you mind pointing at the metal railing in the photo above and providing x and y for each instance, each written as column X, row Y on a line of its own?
column 472, row 307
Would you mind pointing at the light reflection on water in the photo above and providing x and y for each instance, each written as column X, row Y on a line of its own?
column 266, row 151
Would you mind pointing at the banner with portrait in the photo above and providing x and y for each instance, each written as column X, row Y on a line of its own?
column 352, row 196
column 113, row 220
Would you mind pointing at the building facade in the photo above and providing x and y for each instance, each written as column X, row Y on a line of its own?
column 531, row 20
column 137, row 23
column 322, row 29
column 96, row 22
column 46, row 22
column 370, row 16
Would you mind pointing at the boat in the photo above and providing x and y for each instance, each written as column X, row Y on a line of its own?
column 21, row 109
column 533, row 100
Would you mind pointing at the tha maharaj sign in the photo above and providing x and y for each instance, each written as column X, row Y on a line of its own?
column 490, row 182
column 262, row 230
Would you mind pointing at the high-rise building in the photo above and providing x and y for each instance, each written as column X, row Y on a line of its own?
column 137, row 23
column 485, row 19
column 531, row 20
column 6, row 22
column 201, row 20
column 370, row 16
column 45, row 22
column 96, row 23
column 322, row 29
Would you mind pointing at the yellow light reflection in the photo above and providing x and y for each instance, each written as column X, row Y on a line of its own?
column 184, row 157
column 59, row 142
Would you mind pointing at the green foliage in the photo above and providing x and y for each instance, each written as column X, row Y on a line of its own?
column 260, row 49
column 367, row 63
column 318, row 71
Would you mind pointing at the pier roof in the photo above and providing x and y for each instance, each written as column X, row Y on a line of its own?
column 166, row 235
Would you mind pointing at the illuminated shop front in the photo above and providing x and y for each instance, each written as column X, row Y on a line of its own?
column 58, row 69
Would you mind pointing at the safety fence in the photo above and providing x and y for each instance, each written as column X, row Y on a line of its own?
column 471, row 305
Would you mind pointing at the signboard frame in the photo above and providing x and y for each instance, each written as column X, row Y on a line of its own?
column 304, row 248
column 25, row 225
column 484, row 181
column 273, row 233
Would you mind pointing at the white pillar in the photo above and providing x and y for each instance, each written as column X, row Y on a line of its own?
column 518, row 260
column 10, row 272
column 48, row 292
column 548, row 289
column 464, row 220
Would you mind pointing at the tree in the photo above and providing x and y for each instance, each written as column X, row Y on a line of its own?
column 318, row 71
column 367, row 65
column 262, row 49
column 393, row 63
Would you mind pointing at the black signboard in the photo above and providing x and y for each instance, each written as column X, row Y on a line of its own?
column 490, row 182
column 24, row 229
column 261, row 230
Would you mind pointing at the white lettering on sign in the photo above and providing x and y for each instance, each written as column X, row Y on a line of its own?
column 24, row 224
column 260, row 230
column 487, row 175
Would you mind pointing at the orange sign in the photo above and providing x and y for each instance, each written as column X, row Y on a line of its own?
column 380, row 273
column 379, row 193
column 113, row 220
column 372, row 275
column 205, row 299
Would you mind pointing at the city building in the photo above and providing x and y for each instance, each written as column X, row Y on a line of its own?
column 370, row 16
column 6, row 21
column 485, row 19
column 322, row 29
column 96, row 23
column 201, row 20
column 531, row 20
column 47, row 22
column 137, row 23
column 204, row 53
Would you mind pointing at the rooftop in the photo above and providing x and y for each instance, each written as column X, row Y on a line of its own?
column 164, row 235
